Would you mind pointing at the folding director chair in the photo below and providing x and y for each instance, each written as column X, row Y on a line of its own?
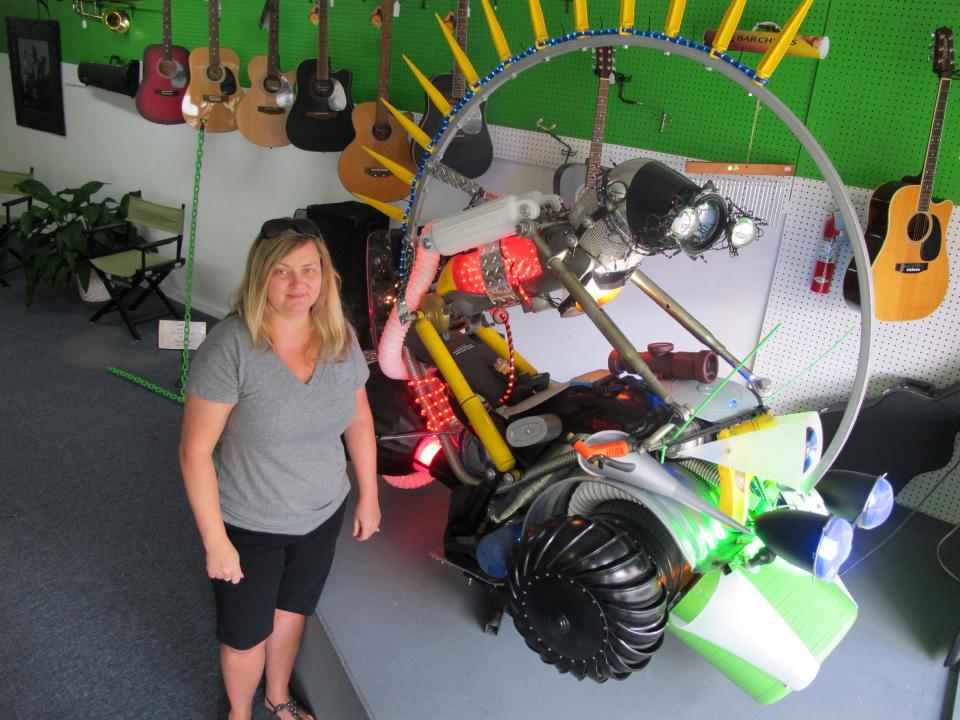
column 8, row 183
column 127, row 270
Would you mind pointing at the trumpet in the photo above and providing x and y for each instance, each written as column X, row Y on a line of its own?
column 115, row 19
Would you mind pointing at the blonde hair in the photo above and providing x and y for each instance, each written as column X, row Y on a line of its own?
column 330, row 330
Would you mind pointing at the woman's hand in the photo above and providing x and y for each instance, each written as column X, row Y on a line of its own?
column 223, row 562
column 366, row 518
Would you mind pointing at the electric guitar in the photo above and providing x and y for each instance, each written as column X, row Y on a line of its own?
column 320, row 117
column 906, row 232
column 378, row 130
column 214, row 90
column 570, row 179
column 470, row 152
column 262, row 112
column 165, row 76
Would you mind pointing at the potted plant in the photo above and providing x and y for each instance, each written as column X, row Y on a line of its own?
column 56, row 244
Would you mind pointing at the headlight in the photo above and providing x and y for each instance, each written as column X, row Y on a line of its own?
column 864, row 499
column 819, row 544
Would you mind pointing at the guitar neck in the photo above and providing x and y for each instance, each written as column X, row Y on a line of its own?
column 323, row 47
column 273, row 52
column 383, row 82
column 463, row 12
column 167, row 34
column 599, row 123
column 213, row 23
column 933, row 146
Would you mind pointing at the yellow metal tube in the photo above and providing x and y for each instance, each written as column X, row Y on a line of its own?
column 388, row 210
column 728, row 26
column 496, row 343
column 540, row 35
column 436, row 97
column 418, row 135
column 463, row 62
column 477, row 414
column 626, row 14
column 581, row 22
column 768, row 63
column 398, row 170
column 675, row 17
column 496, row 33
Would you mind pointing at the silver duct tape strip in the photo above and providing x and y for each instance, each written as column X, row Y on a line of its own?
column 451, row 177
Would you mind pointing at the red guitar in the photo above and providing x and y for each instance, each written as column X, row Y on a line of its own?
column 166, row 75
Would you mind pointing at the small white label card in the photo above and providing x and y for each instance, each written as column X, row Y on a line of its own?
column 171, row 334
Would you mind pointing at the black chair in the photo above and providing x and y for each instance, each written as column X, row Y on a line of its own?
column 8, row 182
column 141, row 266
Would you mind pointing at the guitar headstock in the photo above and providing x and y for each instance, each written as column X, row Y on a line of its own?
column 604, row 61
column 943, row 60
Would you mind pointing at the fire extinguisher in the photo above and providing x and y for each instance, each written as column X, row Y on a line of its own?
column 827, row 256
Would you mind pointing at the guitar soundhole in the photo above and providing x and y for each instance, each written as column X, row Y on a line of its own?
column 214, row 73
column 167, row 68
column 918, row 227
column 381, row 132
column 323, row 88
column 272, row 84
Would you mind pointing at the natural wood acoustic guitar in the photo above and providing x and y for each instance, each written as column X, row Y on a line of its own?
column 906, row 232
column 262, row 112
column 377, row 129
column 214, row 91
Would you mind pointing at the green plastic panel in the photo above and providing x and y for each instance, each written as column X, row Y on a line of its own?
column 869, row 102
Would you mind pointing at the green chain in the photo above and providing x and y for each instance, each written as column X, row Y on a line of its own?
column 188, row 295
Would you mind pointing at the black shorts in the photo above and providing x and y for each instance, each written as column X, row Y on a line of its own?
column 284, row 572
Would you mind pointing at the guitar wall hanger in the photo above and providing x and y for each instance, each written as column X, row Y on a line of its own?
column 568, row 152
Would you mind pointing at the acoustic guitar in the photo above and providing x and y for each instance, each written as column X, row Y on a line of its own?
column 570, row 179
column 470, row 152
column 379, row 131
column 214, row 90
column 906, row 231
column 165, row 78
column 262, row 112
column 320, row 117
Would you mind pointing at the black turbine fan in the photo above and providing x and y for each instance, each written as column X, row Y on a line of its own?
column 587, row 597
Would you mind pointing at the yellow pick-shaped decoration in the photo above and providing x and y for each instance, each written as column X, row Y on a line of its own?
column 418, row 135
column 675, row 17
column 394, row 167
column 539, row 24
column 496, row 33
column 463, row 62
column 436, row 97
column 728, row 26
column 387, row 209
column 772, row 57
column 581, row 22
column 626, row 15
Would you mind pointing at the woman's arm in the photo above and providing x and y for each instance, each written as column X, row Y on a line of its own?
column 362, row 446
column 203, row 423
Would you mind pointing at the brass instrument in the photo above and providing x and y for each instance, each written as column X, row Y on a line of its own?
column 114, row 19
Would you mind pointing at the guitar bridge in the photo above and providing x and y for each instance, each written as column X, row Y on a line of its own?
column 214, row 98
column 268, row 110
column 377, row 172
column 911, row 268
column 166, row 93
column 320, row 114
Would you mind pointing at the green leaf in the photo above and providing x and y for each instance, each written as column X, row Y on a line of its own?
column 61, row 280
column 36, row 189
column 82, row 195
column 83, row 274
column 90, row 214
column 74, row 239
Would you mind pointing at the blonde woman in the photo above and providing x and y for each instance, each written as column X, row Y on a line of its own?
column 276, row 383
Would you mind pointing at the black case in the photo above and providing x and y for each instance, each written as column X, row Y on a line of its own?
column 116, row 77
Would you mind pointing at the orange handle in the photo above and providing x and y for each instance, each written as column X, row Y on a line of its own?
column 617, row 448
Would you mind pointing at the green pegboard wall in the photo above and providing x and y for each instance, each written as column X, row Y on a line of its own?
column 869, row 102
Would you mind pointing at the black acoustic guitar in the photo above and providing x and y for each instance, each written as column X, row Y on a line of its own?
column 471, row 150
column 320, row 119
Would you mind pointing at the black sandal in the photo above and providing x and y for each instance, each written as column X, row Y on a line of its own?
column 292, row 707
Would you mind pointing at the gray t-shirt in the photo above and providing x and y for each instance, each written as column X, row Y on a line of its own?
column 280, row 463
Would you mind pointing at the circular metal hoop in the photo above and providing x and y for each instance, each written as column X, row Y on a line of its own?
column 738, row 73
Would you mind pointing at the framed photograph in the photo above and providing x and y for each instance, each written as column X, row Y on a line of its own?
column 34, row 48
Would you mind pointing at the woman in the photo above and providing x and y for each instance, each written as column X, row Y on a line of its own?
column 275, row 384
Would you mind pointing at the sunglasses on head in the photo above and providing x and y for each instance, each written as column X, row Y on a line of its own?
column 304, row 226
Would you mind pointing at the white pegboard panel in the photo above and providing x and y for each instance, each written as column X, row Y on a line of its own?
column 927, row 349
column 936, row 493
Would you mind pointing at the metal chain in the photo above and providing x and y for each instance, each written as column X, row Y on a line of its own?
column 188, row 294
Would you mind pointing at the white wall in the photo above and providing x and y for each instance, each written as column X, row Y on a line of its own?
column 244, row 184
